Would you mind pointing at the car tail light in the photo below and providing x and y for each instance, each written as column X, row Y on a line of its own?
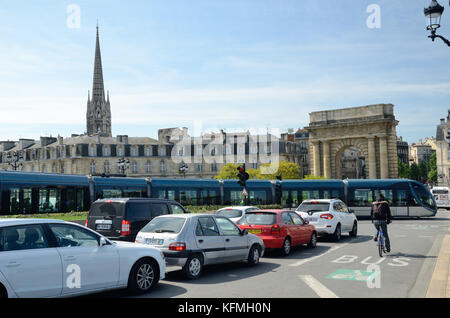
column 86, row 223
column 275, row 229
column 326, row 216
column 126, row 228
column 177, row 246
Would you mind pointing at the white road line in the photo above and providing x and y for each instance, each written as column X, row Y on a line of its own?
column 306, row 260
column 317, row 287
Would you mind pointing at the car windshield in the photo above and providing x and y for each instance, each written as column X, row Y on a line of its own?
column 230, row 213
column 111, row 209
column 313, row 207
column 164, row 225
column 258, row 218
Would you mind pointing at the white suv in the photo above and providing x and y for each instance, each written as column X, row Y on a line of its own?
column 329, row 216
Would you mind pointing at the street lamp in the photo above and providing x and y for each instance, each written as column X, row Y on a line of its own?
column 433, row 15
column 13, row 160
column 183, row 168
column 123, row 165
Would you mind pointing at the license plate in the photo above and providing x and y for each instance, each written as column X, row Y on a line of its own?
column 154, row 242
column 103, row 226
column 254, row 231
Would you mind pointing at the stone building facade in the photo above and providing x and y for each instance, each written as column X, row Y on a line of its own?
column 443, row 151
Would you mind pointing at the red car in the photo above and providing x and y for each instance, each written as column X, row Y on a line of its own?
column 279, row 229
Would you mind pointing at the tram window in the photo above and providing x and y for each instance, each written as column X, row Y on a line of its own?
column 326, row 195
column 311, row 194
column 161, row 194
column 80, row 200
column 401, row 197
column 424, row 196
column 49, row 200
column 111, row 193
column 188, row 197
column 14, row 201
column 336, row 194
column 132, row 193
column 290, row 199
column 214, row 198
column 27, row 197
column 388, row 195
column 258, row 197
column 171, row 194
column 361, row 197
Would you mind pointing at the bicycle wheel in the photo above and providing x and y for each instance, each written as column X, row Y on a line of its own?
column 380, row 245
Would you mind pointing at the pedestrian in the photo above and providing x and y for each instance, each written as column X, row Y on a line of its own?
column 381, row 217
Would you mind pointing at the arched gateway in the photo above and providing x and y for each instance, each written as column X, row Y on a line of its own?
column 371, row 129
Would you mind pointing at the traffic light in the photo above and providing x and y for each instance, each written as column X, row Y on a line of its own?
column 242, row 175
column 279, row 189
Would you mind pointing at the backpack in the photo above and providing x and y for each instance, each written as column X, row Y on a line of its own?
column 378, row 210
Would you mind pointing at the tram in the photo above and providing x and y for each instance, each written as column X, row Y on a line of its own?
column 33, row 192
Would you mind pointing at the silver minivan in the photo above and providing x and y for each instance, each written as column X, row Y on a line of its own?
column 194, row 240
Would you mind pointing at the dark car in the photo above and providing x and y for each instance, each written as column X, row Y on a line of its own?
column 122, row 218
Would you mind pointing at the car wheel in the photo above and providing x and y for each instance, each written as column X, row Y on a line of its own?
column 286, row 249
column 354, row 231
column 254, row 255
column 313, row 242
column 337, row 233
column 193, row 267
column 143, row 276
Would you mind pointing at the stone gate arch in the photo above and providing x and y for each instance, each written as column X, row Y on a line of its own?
column 372, row 129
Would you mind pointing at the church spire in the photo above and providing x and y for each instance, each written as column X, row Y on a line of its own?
column 98, row 89
column 98, row 109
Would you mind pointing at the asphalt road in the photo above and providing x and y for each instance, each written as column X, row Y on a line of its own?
column 348, row 268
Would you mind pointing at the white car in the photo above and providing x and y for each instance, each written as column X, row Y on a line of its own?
column 235, row 213
column 329, row 216
column 52, row 258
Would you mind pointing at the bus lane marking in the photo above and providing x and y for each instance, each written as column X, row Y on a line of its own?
column 317, row 287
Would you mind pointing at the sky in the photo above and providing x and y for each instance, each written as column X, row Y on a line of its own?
column 218, row 64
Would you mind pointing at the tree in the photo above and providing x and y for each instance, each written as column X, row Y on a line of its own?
column 432, row 174
column 228, row 171
column 414, row 172
column 404, row 170
column 289, row 170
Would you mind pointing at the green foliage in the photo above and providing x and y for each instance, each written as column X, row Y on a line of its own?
column 228, row 171
column 403, row 170
column 311, row 177
column 432, row 174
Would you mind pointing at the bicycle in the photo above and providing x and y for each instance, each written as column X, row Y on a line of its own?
column 380, row 242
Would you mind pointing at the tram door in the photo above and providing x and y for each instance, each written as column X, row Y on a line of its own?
column 400, row 206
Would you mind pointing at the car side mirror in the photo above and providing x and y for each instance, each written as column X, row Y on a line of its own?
column 306, row 221
column 103, row 242
column 244, row 232
column 351, row 211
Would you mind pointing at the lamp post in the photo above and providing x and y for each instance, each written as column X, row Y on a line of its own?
column 183, row 168
column 433, row 15
column 123, row 165
column 13, row 160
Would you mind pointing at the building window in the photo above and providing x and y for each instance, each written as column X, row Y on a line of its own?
column 148, row 152
column 106, row 167
column 162, row 151
column 54, row 168
column 148, row 167
column 92, row 151
column 106, row 151
column 134, row 152
column 44, row 168
column 214, row 166
column 92, row 167
column 162, row 167
column 200, row 167
column 134, row 167
column 120, row 151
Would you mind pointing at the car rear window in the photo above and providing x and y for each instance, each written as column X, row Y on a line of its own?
column 112, row 209
column 258, row 218
column 313, row 207
column 164, row 225
column 230, row 213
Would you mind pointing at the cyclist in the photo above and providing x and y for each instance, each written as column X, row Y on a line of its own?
column 381, row 217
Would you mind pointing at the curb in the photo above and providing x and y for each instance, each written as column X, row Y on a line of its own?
column 440, row 281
